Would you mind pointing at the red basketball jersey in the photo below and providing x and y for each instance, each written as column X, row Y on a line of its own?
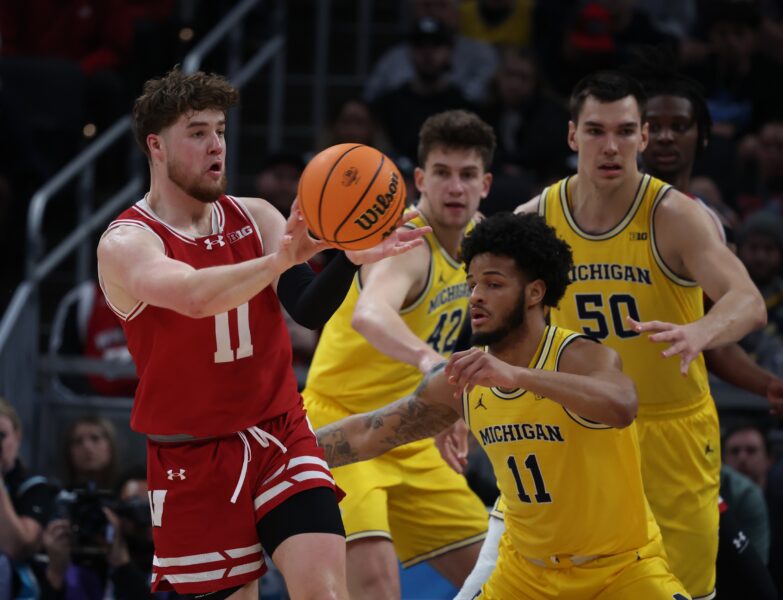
column 214, row 375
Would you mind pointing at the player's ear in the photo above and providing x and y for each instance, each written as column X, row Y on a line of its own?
column 418, row 178
column 486, row 183
column 535, row 292
column 572, row 136
column 155, row 146
column 645, row 137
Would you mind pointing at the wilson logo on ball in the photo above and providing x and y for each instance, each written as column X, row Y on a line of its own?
column 382, row 203
column 351, row 176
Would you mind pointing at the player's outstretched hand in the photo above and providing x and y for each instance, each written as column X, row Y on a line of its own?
column 685, row 340
column 775, row 396
column 297, row 246
column 401, row 240
column 452, row 443
column 476, row 367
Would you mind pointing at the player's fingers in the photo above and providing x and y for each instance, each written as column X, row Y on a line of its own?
column 406, row 234
column 640, row 326
column 407, row 216
column 676, row 348
column 670, row 335
column 685, row 363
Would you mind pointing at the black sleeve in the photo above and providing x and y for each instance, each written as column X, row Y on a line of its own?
column 311, row 299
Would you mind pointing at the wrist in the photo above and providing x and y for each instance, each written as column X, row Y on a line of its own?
column 427, row 359
column 353, row 257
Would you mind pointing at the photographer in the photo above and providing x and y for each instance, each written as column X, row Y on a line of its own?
column 25, row 504
column 104, row 546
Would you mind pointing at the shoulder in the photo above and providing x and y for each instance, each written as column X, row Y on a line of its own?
column 679, row 219
column 123, row 238
column 531, row 206
column 259, row 208
column 583, row 355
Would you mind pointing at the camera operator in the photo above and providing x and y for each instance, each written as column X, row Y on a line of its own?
column 103, row 548
column 25, row 504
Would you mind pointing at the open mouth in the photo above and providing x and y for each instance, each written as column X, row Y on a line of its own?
column 610, row 168
column 216, row 167
column 478, row 316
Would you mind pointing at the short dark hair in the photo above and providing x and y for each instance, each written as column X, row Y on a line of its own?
column 457, row 129
column 164, row 100
column 534, row 246
column 605, row 86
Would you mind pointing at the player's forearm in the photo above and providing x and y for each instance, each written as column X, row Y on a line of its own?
column 214, row 290
column 733, row 365
column 365, row 436
column 732, row 317
column 388, row 333
column 608, row 400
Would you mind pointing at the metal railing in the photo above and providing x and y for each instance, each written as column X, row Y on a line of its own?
column 20, row 363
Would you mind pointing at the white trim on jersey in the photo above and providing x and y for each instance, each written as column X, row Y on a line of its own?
column 142, row 207
column 139, row 306
column 281, row 487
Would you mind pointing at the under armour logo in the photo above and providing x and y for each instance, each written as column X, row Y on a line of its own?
column 740, row 541
column 172, row 475
column 216, row 241
column 480, row 403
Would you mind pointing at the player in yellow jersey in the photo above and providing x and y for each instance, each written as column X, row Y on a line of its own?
column 643, row 253
column 396, row 322
column 552, row 410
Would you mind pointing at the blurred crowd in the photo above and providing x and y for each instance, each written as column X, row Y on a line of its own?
column 511, row 61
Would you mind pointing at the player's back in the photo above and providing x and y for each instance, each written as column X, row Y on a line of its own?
column 215, row 375
column 348, row 370
column 619, row 273
column 569, row 486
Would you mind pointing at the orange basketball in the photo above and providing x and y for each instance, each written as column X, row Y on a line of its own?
column 351, row 196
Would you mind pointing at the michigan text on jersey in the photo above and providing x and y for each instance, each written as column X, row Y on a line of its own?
column 449, row 294
column 610, row 272
column 496, row 434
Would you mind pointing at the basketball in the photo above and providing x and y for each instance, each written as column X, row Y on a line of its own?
column 351, row 196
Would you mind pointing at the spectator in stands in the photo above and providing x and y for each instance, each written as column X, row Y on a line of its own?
column 760, row 247
column 353, row 122
column 746, row 449
column 531, row 125
column 498, row 22
column 735, row 75
column 748, row 506
column 25, row 504
column 775, row 506
column 90, row 453
column 120, row 561
column 278, row 179
column 403, row 110
column 94, row 35
column 763, row 154
column 470, row 70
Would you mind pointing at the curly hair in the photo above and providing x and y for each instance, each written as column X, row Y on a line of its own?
column 534, row 246
column 164, row 100
column 457, row 129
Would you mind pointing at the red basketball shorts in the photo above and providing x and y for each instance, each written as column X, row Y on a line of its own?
column 204, row 541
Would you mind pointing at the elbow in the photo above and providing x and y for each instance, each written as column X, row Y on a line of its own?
column 626, row 407
column 760, row 314
column 360, row 321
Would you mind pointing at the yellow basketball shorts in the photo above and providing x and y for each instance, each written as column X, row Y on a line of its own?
column 639, row 574
column 409, row 495
column 681, row 474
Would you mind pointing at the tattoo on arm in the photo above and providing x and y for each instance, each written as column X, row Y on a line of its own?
column 361, row 437
column 337, row 449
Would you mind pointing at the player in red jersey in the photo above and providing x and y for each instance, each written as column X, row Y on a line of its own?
column 195, row 277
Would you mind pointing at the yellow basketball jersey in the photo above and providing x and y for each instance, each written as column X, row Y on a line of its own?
column 568, row 486
column 620, row 273
column 349, row 370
